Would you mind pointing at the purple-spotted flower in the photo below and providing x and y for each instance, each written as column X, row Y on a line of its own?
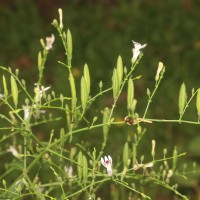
column 136, row 50
column 107, row 163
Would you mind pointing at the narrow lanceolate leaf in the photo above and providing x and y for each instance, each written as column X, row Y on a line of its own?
column 120, row 69
column 130, row 94
column 80, row 165
column 86, row 74
column 85, row 169
column 106, row 114
column 73, row 91
column 14, row 90
column 84, row 93
column 125, row 155
column 5, row 88
column 182, row 98
column 69, row 45
column 198, row 103
column 115, row 84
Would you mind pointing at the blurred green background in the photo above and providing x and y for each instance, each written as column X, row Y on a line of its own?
column 101, row 31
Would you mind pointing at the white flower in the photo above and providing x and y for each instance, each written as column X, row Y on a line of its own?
column 49, row 42
column 107, row 163
column 14, row 151
column 69, row 171
column 136, row 50
column 26, row 112
column 39, row 91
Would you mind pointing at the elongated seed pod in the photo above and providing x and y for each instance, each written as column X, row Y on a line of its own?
column 119, row 69
column 182, row 99
column 85, row 169
column 198, row 103
column 5, row 89
column 125, row 155
column 80, row 165
column 14, row 90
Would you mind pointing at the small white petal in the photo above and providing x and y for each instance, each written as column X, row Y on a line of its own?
column 102, row 162
column 110, row 159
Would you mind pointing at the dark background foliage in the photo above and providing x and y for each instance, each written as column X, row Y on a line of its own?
column 101, row 31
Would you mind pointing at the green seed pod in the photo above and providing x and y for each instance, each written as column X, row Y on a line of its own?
column 62, row 137
column 5, row 88
column 69, row 46
column 80, row 165
column 106, row 114
column 115, row 84
column 85, row 169
column 134, row 153
column 198, row 103
column 120, row 69
column 182, row 99
column 125, row 155
column 84, row 93
column 86, row 74
column 130, row 95
column 40, row 61
column 73, row 91
column 14, row 90
column 67, row 113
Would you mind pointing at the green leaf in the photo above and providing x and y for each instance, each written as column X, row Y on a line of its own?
column 182, row 99
column 14, row 90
